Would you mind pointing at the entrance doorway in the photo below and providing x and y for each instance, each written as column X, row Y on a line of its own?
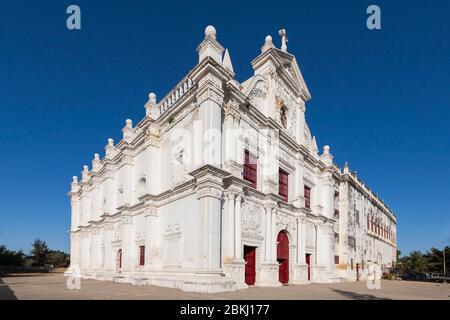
column 119, row 261
column 308, row 263
column 283, row 257
column 250, row 265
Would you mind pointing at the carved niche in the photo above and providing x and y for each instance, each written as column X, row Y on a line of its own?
column 178, row 164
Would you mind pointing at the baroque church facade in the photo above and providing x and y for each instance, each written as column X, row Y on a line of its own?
column 222, row 186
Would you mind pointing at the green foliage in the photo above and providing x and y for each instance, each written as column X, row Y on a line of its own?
column 40, row 252
column 11, row 258
column 40, row 255
column 58, row 258
column 431, row 261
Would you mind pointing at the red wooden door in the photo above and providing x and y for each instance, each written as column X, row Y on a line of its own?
column 283, row 257
column 250, row 265
column 308, row 262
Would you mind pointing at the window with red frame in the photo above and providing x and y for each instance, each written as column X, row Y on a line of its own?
column 283, row 182
column 307, row 192
column 141, row 255
column 250, row 168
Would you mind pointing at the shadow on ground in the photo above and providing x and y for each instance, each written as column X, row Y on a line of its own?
column 5, row 292
column 358, row 296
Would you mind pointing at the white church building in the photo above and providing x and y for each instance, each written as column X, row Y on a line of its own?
column 222, row 186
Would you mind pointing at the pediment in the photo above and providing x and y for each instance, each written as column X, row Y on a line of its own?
column 287, row 69
column 293, row 74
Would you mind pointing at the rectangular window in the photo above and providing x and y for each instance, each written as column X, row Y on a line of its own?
column 336, row 259
column 307, row 197
column 250, row 168
column 141, row 255
column 283, row 181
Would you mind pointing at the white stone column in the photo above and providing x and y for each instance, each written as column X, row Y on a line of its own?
column 74, row 252
column 228, row 237
column 327, row 195
column 274, row 234
column 233, row 263
column 269, row 267
column 269, row 163
column 301, row 123
column 232, row 145
column 343, row 227
column 237, row 228
column 129, row 181
column 298, row 184
column 152, row 256
column 148, row 233
column 267, row 236
column 302, row 245
column 75, row 209
column 85, row 207
column 209, row 181
column 128, row 247
column 96, row 202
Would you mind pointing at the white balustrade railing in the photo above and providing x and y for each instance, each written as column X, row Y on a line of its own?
column 176, row 94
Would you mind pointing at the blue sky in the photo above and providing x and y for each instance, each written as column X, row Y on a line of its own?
column 381, row 99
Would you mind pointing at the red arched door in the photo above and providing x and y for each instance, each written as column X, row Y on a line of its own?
column 119, row 261
column 283, row 256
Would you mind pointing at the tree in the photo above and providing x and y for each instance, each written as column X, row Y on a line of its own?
column 416, row 261
column 11, row 258
column 39, row 252
column 435, row 259
column 58, row 258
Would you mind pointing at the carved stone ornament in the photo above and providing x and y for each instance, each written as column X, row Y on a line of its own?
column 286, row 222
column 209, row 192
column 251, row 219
column 178, row 166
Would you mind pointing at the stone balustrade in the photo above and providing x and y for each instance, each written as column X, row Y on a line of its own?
column 176, row 94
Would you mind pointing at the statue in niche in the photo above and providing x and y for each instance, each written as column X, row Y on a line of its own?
column 178, row 166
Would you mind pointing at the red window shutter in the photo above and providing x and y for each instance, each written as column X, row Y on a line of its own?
column 141, row 255
column 283, row 183
column 250, row 168
column 307, row 192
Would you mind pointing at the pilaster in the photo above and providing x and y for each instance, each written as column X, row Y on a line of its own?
column 209, row 194
column 269, row 267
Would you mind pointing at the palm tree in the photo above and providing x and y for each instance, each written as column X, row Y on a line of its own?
column 416, row 261
column 39, row 252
